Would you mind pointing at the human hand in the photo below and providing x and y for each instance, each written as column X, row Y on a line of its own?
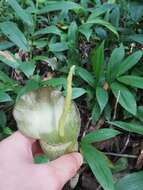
column 18, row 172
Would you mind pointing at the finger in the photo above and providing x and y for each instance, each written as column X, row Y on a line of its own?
column 18, row 145
column 67, row 166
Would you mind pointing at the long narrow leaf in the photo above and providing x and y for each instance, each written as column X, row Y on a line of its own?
column 103, row 23
column 133, row 81
column 114, row 62
column 6, row 79
column 12, row 32
column 85, row 75
column 131, row 127
column 96, row 112
column 20, row 12
column 5, row 45
column 100, row 135
column 125, row 97
column 30, row 86
column 98, row 11
column 97, row 60
column 48, row 30
column 129, row 62
column 99, row 166
column 54, row 82
column 86, row 30
column 62, row 5
column 137, row 38
column 4, row 97
column 132, row 181
column 7, row 58
column 58, row 47
column 26, row 67
column 102, row 97
column 72, row 32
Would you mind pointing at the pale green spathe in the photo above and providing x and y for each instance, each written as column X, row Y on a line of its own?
column 37, row 115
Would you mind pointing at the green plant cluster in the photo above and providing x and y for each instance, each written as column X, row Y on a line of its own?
column 40, row 40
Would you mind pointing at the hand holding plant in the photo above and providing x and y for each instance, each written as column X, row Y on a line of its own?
column 19, row 172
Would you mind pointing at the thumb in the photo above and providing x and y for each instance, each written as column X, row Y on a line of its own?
column 67, row 166
column 18, row 145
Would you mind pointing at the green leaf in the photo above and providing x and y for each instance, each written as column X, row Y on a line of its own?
column 77, row 92
column 131, row 127
column 139, row 114
column 135, row 10
column 5, row 45
column 95, row 113
column 7, row 131
column 102, row 9
column 99, row 166
column 4, row 97
column 107, row 112
column 20, row 12
column 30, row 86
column 40, row 43
column 101, row 33
column 85, row 75
column 114, row 62
column 100, row 135
column 125, row 97
column 131, row 80
column 12, row 32
column 5, row 79
column 102, row 97
column 120, row 165
column 48, row 30
column 72, row 32
column 103, row 23
column 97, row 60
column 132, row 181
column 8, row 59
column 115, row 16
column 55, row 82
column 41, row 159
column 129, row 62
column 56, row 6
column 3, row 119
column 27, row 68
column 86, row 30
column 84, row 3
column 137, row 38
column 58, row 47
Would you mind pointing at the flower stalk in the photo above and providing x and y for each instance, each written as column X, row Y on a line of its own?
column 67, row 103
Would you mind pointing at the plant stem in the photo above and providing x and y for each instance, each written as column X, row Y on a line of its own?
column 120, row 155
column 67, row 103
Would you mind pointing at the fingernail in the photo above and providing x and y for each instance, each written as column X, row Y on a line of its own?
column 78, row 157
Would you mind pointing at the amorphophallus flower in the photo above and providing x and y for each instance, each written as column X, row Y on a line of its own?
column 45, row 114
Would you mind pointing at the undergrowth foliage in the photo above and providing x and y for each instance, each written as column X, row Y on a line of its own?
column 40, row 40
